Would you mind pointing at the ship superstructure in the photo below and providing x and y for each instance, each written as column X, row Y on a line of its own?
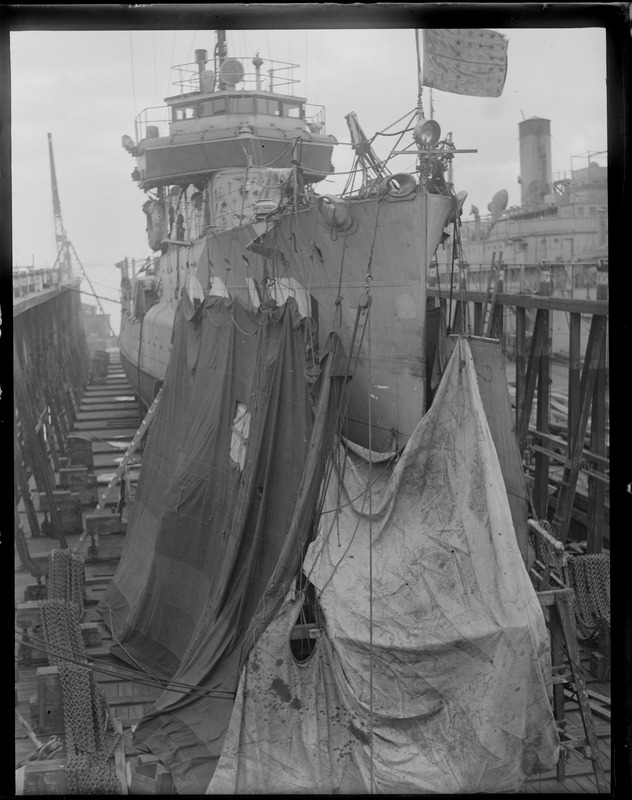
column 562, row 218
column 230, row 168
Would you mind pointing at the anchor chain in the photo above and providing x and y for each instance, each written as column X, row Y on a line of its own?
column 66, row 577
column 589, row 576
column 89, row 748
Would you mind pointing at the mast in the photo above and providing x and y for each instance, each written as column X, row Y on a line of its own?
column 221, row 52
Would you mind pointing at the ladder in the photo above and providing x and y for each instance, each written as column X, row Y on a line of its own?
column 559, row 603
column 126, row 458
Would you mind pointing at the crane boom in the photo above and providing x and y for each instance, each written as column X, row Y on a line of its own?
column 63, row 250
column 63, row 244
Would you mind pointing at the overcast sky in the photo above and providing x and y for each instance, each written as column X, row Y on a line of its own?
column 86, row 87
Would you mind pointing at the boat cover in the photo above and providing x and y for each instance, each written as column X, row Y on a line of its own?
column 432, row 673
column 205, row 535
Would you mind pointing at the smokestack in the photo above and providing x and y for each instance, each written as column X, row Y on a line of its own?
column 536, row 177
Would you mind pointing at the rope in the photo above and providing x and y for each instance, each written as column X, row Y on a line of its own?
column 65, row 655
column 370, row 494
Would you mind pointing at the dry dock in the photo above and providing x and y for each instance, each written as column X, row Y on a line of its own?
column 109, row 416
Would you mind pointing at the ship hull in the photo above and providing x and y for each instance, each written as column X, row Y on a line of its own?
column 364, row 278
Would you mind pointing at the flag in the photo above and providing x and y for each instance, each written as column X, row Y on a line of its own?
column 472, row 62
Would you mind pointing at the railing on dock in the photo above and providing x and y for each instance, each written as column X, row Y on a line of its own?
column 565, row 445
column 28, row 280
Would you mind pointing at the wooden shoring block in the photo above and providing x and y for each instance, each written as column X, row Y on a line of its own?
column 63, row 498
column 73, row 477
column 35, row 591
column 103, row 523
column 91, row 634
column 150, row 778
column 71, row 520
column 27, row 615
column 80, row 451
column 50, row 701
column 89, row 496
column 45, row 777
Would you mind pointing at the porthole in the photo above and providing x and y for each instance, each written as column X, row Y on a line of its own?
column 308, row 627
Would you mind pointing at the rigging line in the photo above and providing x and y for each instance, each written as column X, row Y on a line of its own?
column 351, row 540
column 370, row 490
column 103, row 666
column 363, row 492
column 155, row 683
column 93, row 294
column 131, row 53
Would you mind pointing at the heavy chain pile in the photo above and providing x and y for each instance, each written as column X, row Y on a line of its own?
column 589, row 576
column 61, row 626
column 66, row 577
column 89, row 749
column 90, row 766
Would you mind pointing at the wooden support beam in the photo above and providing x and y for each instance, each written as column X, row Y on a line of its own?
column 542, row 462
column 478, row 316
column 23, row 489
column 21, row 544
column 26, row 417
column 550, row 303
column 596, row 481
column 574, row 365
column 521, row 361
column 540, row 335
column 564, row 508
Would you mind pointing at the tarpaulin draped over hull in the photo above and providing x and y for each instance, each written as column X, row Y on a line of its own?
column 438, row 648
column 206, row 535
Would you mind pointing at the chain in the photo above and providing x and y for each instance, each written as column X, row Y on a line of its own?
column 589, row 576
column 61, row 626
column 544, row 551
column 66, row 577
column 90, row 766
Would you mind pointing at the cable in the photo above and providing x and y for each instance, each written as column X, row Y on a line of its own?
column 120, row 672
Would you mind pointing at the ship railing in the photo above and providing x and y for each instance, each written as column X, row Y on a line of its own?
column 582, row 280
column 315, row 118
column 270, row 76
column 157, row 117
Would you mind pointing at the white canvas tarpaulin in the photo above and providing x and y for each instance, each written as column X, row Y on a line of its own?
column 433, row 671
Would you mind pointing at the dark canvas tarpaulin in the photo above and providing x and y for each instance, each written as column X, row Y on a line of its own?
column 433, row 668
column 206, row 534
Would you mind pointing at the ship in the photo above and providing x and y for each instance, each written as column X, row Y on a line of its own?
column 323, row 567
column 232, row 211
column 555, row 243
column 562, row 219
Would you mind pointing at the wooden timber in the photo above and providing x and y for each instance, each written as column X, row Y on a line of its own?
column 573, row 496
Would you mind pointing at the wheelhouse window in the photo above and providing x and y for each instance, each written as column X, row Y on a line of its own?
column 294, row 110
column 183, row 112
column 209, row 108
column 242, row 105
column 266, row 106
